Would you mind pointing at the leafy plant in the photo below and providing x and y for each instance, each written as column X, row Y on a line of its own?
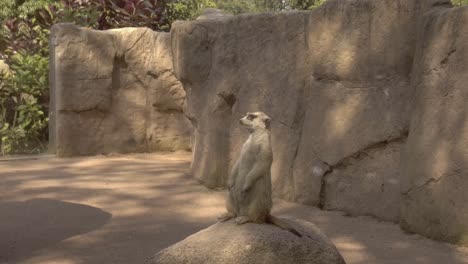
column 186, row 9
column 237, row 7
column 460, row 2
column 23, row 121
column 132, row 13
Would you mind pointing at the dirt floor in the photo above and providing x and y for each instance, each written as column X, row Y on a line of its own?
column 123, row 209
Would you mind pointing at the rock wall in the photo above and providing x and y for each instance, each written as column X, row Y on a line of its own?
column 114, row 91
column 368, row 102
column 336, row 82
column 435, row 160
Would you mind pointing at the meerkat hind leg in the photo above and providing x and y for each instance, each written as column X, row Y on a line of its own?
column 242, row 220
column 226, row 216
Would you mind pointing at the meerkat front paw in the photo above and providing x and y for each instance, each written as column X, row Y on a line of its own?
column 242, row 220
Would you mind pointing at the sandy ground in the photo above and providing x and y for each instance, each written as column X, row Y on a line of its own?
column 123, row 209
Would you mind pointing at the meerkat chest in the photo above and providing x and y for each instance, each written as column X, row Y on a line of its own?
column 249, row 153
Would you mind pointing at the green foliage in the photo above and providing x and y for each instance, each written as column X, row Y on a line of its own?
column 251, row 6
column 21, row 9
column 460, row 2
column 186, row 9
column 22, row 118
column 238, row 6
column 24, row 88
column 306, row 4
column 81, row 13
column 130, row 13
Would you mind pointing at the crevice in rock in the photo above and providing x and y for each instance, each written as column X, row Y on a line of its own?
column 192, row 120
column 322, row 194
column 326, row 77
column 99, row 125
column 299, row 115
column 113, row 39
column 332, row 78
column 359, row 87
column 431, row 180
column 443, row 63
column 156, row 75
column 446, row 59
column 93, row 79
column 442, row 3
column 356, row 156
column 161, row 110
column 298, row 125
column 229, row 98
column 119, row 64
column 79, row 111
column 434, row 180
column 298, row 122
column 228, row 101
column 139, row 38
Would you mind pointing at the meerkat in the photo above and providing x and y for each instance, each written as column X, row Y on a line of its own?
column 249, row 183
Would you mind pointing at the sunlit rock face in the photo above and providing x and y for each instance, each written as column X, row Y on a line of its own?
column 367, row 100
column 435, row 161
column 336, row 82
column 114, row 91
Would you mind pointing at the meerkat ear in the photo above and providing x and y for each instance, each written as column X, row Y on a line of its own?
column 267, row 122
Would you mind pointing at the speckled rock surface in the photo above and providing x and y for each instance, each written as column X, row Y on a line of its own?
column 114, row 91
column 435, row 161
column 228, row 243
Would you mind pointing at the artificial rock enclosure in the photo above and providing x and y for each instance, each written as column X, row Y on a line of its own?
column 368, row 100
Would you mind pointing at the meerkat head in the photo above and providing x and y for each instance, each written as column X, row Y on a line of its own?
column 256, row 120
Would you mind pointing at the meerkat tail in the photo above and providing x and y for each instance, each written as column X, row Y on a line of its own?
column 281, row 224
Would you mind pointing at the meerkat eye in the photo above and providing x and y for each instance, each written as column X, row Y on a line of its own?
column 251, row 116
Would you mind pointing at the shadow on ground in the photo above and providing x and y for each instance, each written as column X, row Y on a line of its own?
column 40, row 223
column 49, row 211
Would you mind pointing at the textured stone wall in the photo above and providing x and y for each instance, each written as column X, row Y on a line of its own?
column 114, row 91
column 336, row 82
column 435, row 160
column 367, row 99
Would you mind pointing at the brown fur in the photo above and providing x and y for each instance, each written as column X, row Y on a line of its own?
column 249, row 184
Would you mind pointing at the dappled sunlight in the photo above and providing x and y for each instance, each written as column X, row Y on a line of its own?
column 364, row 240
column 129, row 208
column 145, row 194
column 347, row 243
column 341, row 117
column 440, row 159
column 155, row 204
column 353, row 249
column 346, row 57
column 54, row 260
